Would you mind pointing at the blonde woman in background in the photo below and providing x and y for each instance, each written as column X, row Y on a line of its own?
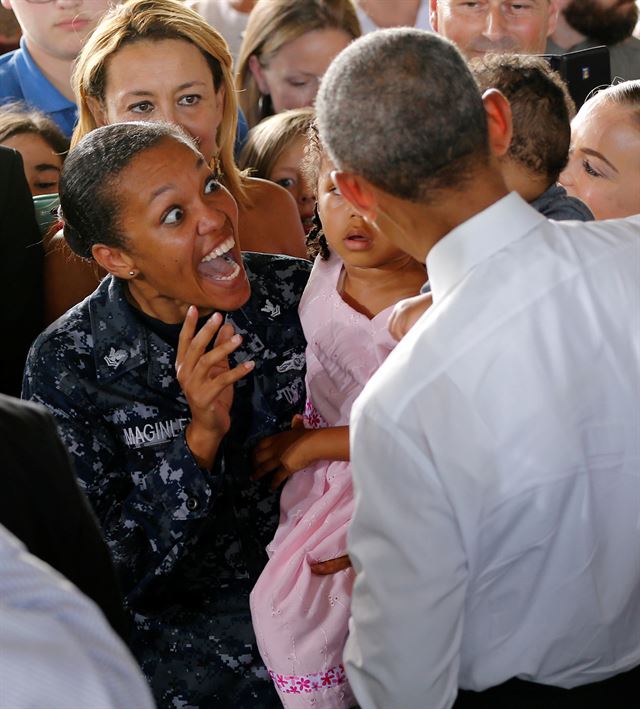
column 287, row 47
column 159, row 60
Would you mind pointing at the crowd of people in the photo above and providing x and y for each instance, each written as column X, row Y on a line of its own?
column 325, row 318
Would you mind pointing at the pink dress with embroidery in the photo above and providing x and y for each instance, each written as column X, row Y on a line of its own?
column 300, row 619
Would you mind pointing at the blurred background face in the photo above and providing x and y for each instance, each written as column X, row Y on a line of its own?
column 607, row 21
column 42, row 164
column 478, row 27
column 293, row 75
column 164, row 80
column 604, row 161
column 58, row 28
column 286, row 172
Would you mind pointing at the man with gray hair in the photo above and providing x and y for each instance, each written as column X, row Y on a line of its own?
column 496, row 454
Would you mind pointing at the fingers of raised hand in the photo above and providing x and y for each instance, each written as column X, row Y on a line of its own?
column 191, row 345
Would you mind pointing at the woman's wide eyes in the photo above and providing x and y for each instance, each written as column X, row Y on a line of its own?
column 173, row 216
column 211, row 185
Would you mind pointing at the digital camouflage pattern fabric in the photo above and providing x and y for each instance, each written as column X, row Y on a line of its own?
column 188, row 543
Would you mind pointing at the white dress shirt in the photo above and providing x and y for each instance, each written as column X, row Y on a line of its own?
column 56, row 648
column 496, row 458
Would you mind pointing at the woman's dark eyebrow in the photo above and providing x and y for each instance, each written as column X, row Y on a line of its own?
column 600, row 156
column 44, row 166
column 140, row 93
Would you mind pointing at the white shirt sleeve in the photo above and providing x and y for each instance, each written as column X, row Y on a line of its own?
column 402, row 518
column 56, row 648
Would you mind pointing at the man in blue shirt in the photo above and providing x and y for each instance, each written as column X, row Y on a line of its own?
column 39, row 72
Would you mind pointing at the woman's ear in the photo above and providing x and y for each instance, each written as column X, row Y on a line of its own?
column 499, row 125
column 97, row 110
column 258, row 74
column 114, row 260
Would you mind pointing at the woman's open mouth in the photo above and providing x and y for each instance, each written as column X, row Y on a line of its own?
column 219, row 264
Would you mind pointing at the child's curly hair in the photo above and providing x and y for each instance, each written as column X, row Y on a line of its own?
column 313, row 152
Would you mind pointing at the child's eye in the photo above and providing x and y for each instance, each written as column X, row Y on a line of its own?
column 211, row 185
column 286, row 182
column 173, row 216
column 589, row 169
column 189, row 100
column 335, row 189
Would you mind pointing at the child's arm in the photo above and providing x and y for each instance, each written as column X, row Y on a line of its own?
column 406, row 313
column 287, row 452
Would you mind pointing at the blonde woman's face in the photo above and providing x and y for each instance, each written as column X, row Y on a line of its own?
column 604, row 160
column 293, row 75
column 166, row 80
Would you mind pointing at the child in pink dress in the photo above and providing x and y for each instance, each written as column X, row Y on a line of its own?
column 300, row 611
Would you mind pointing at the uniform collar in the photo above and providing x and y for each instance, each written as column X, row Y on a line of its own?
column 476, row 240
column 122, row 342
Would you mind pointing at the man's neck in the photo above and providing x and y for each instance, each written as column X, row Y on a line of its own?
column 391, row 14
column 565, row 36
column 57, row 71
column 420, row 226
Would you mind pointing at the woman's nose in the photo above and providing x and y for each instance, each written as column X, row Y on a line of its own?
column 211, row 219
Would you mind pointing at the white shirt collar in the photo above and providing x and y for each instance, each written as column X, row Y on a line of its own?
column 475, row 240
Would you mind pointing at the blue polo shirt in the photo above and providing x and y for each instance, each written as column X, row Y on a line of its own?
column 21, row 80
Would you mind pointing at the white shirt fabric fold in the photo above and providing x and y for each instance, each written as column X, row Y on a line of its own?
column 56, row 648
column 496, row 459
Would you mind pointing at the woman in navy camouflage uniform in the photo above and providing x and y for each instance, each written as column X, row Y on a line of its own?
column 160, row 407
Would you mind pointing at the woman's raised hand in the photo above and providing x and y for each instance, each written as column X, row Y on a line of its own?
column 207, row 382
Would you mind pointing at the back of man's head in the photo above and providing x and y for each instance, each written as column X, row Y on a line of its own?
column 541, row 110
column 400, row 108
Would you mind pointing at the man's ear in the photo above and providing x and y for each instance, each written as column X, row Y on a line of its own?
column 499, row 125
column 114, row 260
column 97, row 110
column 358, row 192
column 258, row 74
column 433, row 14
column 554, row 9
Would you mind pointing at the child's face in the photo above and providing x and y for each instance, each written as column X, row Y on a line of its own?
column 347, row 233
column 286, row 172
column 604, row 161
column 42, row 164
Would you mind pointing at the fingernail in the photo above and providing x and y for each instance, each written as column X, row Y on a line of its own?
column 249, row 365
column 214, row 318
column 236, row 339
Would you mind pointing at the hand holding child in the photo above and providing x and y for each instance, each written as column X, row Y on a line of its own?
column 406, row 313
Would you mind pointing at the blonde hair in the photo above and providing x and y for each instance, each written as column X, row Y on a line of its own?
column 266, row 141
column 274, row 23
column 156, row 20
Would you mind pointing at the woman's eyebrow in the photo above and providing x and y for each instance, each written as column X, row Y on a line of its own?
column 44, row 166
column 600, row 156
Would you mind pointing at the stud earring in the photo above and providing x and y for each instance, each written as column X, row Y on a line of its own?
column 132, row 273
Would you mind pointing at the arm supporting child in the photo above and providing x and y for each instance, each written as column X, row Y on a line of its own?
column 287, row 452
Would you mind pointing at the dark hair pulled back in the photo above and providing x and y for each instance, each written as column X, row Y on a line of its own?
column 90, row 207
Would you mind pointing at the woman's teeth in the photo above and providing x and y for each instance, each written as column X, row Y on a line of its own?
column 225, row 246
